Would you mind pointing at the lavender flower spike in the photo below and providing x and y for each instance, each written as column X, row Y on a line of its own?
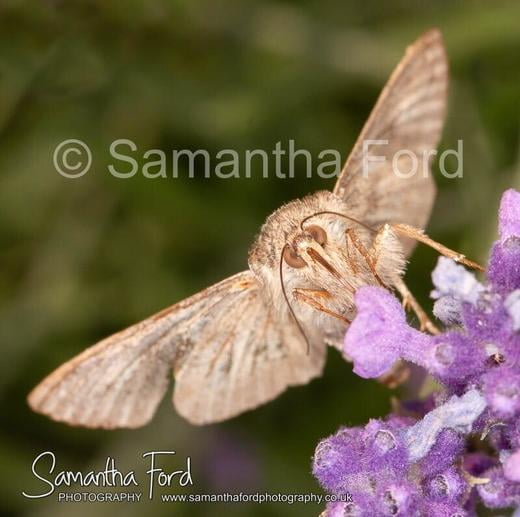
column 420, row 463
column 458, row 413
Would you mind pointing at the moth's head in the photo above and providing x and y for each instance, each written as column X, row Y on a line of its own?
column 305, row 243
column 294, row 227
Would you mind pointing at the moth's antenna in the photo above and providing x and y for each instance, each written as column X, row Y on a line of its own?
column 298, row 324
column 305, row 219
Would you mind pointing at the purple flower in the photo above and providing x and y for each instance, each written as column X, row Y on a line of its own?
column 379, row 466
column 379, row 336
column 423, row 465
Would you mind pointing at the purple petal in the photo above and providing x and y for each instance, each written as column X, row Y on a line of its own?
column 338, row 458
column 449, row 486
column 443, row 454
column 379, row 333
column 509, row 214
column 385, row 455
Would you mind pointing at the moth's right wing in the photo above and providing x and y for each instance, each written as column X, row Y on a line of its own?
column 406, row 123
column 227, row 350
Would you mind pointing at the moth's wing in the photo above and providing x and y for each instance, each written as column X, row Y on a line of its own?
column 243, row 358
column 120, row 381
column 409, row 114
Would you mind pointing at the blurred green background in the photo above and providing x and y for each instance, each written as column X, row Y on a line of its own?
column 83, row 258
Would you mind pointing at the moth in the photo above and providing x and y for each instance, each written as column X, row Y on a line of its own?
column 244, row 340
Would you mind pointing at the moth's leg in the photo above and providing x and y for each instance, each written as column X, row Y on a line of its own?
column 311, row 297
column 318, row 293
column 369, row 258
column 350, row 259
column 409, row 300
column 419, row 235
column 380, row 243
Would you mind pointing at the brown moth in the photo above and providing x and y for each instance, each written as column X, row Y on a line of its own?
column 243, row 341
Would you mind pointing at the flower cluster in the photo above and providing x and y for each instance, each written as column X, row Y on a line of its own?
column 462, row 446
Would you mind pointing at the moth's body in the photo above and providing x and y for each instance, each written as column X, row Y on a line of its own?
column 244, row 340
column 333, row 271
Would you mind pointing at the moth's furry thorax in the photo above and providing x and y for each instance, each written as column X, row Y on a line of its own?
column 334, row 270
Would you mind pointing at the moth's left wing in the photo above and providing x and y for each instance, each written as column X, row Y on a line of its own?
column 120, row 381
column 241, row 358
column 408, row 118
column 227, row 351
